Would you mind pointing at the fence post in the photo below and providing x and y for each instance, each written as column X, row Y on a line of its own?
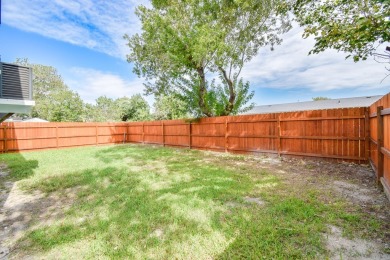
column 143, row 133
column 226, row 135
column 367, row 133
column 57, row 135
column 127, row 132
column 124, row 133
column 279, row 133
column 380, row 144
column 96, row 134
column 189, row 135
column 163, row 134
column 5, row 139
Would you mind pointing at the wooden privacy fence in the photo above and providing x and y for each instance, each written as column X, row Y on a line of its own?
column 33, row 136
column 336, row 133
column 380, row 141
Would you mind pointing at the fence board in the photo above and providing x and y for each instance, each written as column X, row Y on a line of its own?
column 380, row 129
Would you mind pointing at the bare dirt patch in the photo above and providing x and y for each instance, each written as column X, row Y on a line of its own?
column 22, row 211
column 344, row 248
column 354, row 184
column 257, row 201
column 349, row 182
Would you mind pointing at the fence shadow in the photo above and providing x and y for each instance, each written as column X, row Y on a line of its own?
column 13, row 168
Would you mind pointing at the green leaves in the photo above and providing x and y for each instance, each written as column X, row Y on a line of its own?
column 107, row 109
column 134, row 108
column 168, row 107
column 186, row 45
column 54, row 100
column 355, row 27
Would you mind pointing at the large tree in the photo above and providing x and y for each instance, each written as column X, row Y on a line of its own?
column 54, row 101
column 106, row 109
column 197, row 49
column 135, row 108
column 168, row 107
column 353, row 26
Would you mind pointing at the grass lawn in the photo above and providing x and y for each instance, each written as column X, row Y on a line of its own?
column 147, row 202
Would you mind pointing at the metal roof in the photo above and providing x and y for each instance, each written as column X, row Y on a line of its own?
column 36, row 119
column 315, row 105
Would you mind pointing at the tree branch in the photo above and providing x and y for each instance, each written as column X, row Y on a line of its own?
column 232, row 95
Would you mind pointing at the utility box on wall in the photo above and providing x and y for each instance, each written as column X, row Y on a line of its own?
column 16, row 90
column 15, row 81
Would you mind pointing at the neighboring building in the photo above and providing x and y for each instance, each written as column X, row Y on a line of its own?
column 35, row 120
column 13, row 120
column 28, row 120
column 315, row 105
column 15, row 90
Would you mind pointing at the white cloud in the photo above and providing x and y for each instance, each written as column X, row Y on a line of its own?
column 98, row 25
column 289, row 66
column 91, row 84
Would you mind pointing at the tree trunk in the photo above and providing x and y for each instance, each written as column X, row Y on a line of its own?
column 202, row 93
column 232, row 95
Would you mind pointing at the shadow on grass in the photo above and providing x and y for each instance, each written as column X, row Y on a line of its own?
column 162, row 203
column 19, row 167
column 116, row 208
column 288, row 229
column 138, row 152
column 114, row 212
column 129, row 209
column 191, row 210
column 14, row 168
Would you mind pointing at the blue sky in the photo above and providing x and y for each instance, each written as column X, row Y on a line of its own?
column 83, row 40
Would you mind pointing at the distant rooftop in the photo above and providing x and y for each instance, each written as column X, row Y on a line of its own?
column 315, row 105
column 31, row 120
column 35, row 120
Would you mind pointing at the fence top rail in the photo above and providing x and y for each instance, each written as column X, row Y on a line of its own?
column 62, row 124
column 62, row 127
column 385, row 112
column 322, row 118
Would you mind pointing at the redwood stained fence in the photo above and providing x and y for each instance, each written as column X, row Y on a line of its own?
column 380, row 141
column 341, row 134
column 33, row 136
column 336, row 133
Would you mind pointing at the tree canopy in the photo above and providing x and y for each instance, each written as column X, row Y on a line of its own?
column 197, row 49
column 104, row 110
column 135, row 108
column 168, row 107
column 54, row 101
column 108, row 109
column 356, row 27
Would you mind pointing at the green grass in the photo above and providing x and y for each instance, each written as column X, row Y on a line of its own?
column 145, row 202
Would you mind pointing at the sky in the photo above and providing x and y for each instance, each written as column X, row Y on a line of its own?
column 83, row 39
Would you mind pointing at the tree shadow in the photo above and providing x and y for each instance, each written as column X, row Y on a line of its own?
column 14, row 208
column 134, row 151
column 114, row 202
column 13, row 168
column 109, row 204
